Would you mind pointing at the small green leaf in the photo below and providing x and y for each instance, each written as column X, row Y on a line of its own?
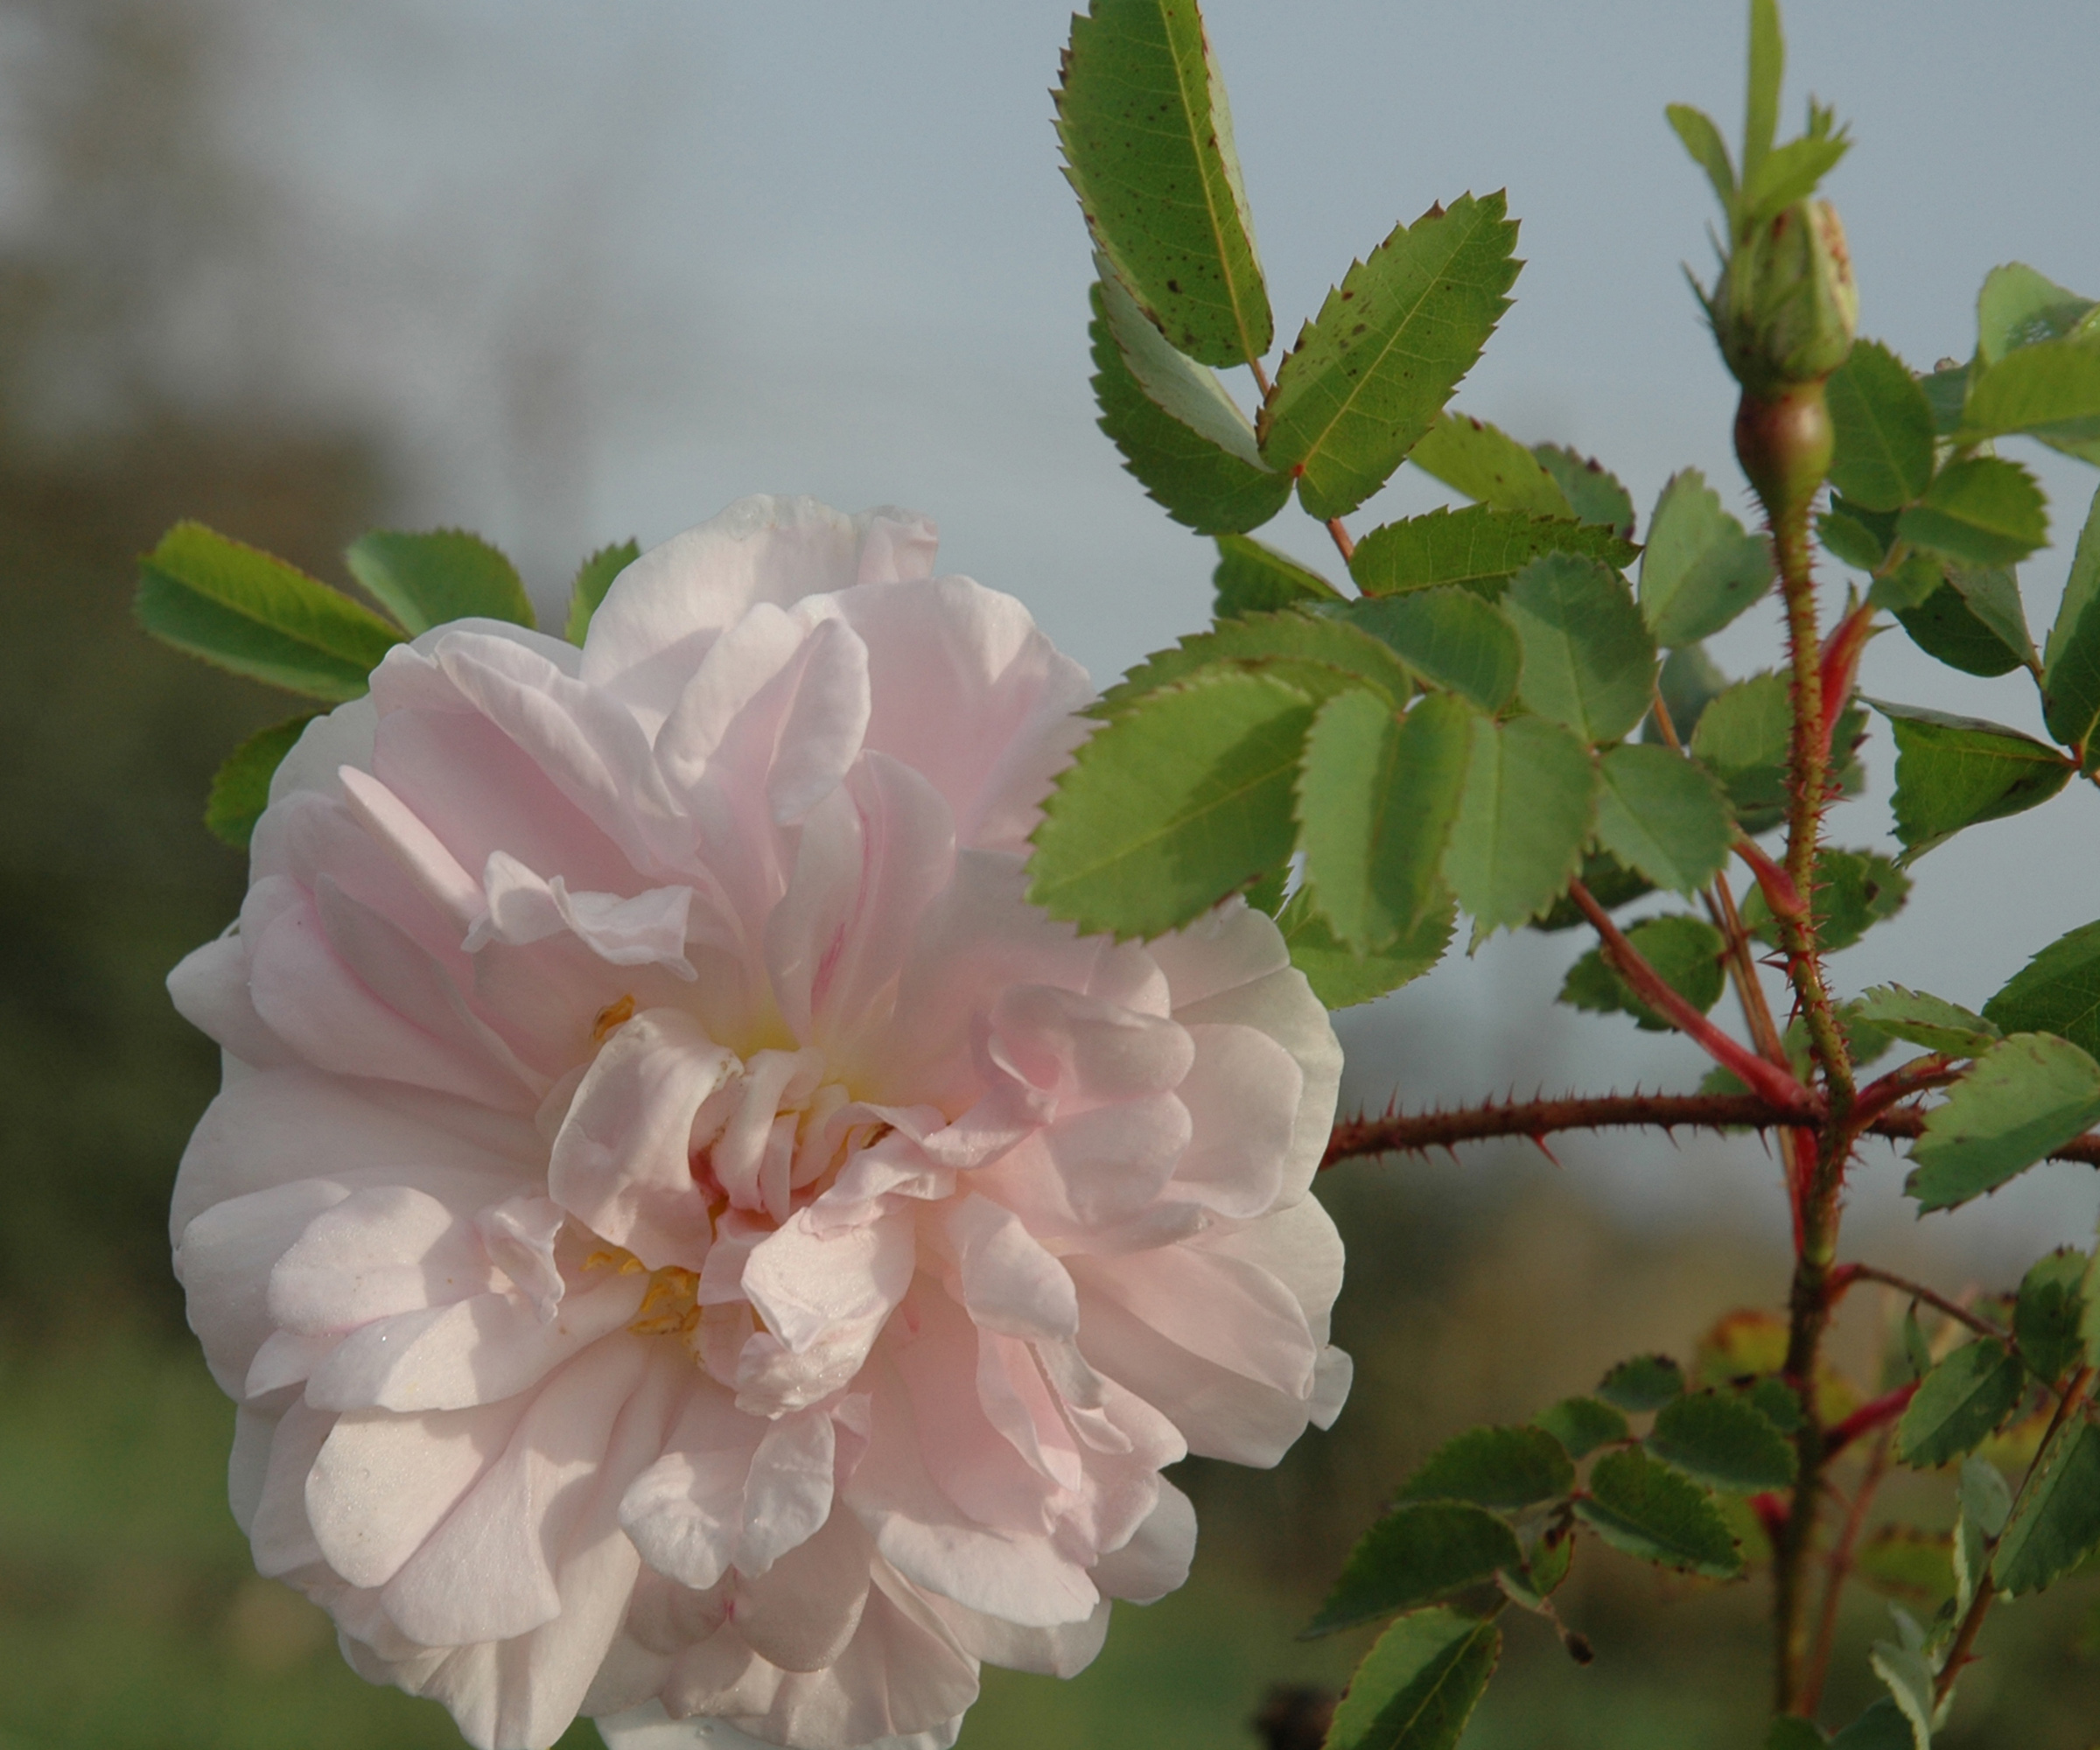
column 1419, row 1685
column 430, row 579
column 1984, row 511
column 1589, row 662
column 1414, row 1556
column 1723, row 1442
column 2050, row 390
column 1766, row 70
column 1910, row 583
column 1181, row 800
column 2027, row 1095
column 2071, row 669
column 1450, row 637
column 2057, row 991
column 1341, row 978
column 1883, row 426
column 2018, row 307
column 1370, row 374
column 241, row 787
column 1790, row 174
column 1946, row 390
column 1742, row 739
column 2048, row 1316
column 1645, row 1509
column 1582, row 1425
column 1489, row 466
column 1854, row 890
column 1859, row 536
column 1881, row 1727
column 1909, row 1676
column 1185, row 439
column 1599, row 496
column 1686, row 951
column 1660, row 814
column 1251, row 577
column 1147, row 133
column 1497, row 1468
column 1479, row 546
column 1319, row 653
column 1377, row 799
column 1971, row 620
column 1932, row 1022
column 1955, row 772
column 1702, row 140
column 1643, row 1383
column 2057, row 1524
column 1530, row 801
column 1984, row 1504
column 1700, row 569
column 593, row 577
column 241, row 609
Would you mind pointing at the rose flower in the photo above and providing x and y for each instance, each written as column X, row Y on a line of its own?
column 690, row 1244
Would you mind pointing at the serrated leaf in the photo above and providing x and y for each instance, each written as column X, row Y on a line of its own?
column 2050, row 1313
column 2018, row 307
column 1955, row 772
column 1984, row 511
column 241, row 787
column 1478, row 546
column 593, row 577
column 2057, row 1524
column 1373, row 369
column 1582, row 1425
column 1724, row 1442
column 1414, row 1556
column 1181, row 436
column 1660, row 814
column 1599, row 496
column 1881, row 1727
column 1641, row 1506
column 1932, row 1022
column 1495, row 1468
column 1450, row 637
column 2071, row 669
column 1319, row 653
column 1883, row 428
column 1685, row 951
column 1531, row 797
column 1853, row 891
column 1971, row 620
column 1419, row 1685
column 1700, row 568
column 1909, row 1676
column 241, row 609
column 1906, row 1561
column 429, row 579
column 1489, row 466
column 1589, row 662
column 1643, row 1383
column 1376, row 798
column 1181, row 800
column 1147, row 133
column 2057, row 991
column 1702, row 140
column 1341, row 978
column 1859, row 536
column 2028, row 1094
column 2050, row 390
column 1252, row 578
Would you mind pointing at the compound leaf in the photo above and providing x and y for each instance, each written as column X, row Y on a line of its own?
column 1724, row 1442
column 1641, row 1506
column 1883, row 427
column 1450, row 637
column 1478, row 546
column 1417, row 1554
column 1984, row 511
column 1495, row 1468
column 1530, row 801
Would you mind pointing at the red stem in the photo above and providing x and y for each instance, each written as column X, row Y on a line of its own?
column 1867, row 1419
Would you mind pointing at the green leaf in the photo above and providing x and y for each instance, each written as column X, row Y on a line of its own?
column 1181, row 434
column 1582, row 1425
column 1599, row 496
column 2027, row 1095
column 2057, row 1524
column 1147, row 133
column 241, row 609
column 2018, row 307
column 2071, row 669
column 2057, row 991
column 1610, row 885
column 1478, row 546
column 593, row 577
column 1702, row 140
column 1859, row 536
column 1685, row 951
column 1489, row 465
column 1172, row 804
column 1319, row 653
column 1790, row 1732
column 1881, row 1727
column 1955, row 772
column 1768, row 68
column 1589, row 663
column 1971, row 620
column 1531, row 797
column 1419, row 1685
column 1660, row 814
column 1498, row 1467
column 1723, row 1442
column 1946, row 390
column 1689, row 680
column 1700, row 568
column 1645, row 1509
column 1984, row 511
column 1883, row 427
column 1449, row 637
column 1932, row 1022
column 1790, row 174
column 1414, row 1556
column 1908, row 1676
column 1251, row 577
column 1645, row 1382
column 1373, row 369
column 1854, row 890
column 1341, row 978
column 241, row 787
column 430, row 579
column 1983, row 1504
column 1376, row 798
column 2050, row 390
column 2048, row 1317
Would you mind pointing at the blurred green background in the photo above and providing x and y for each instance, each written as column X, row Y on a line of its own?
column 128, row 1617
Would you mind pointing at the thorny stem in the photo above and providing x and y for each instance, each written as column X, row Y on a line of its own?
column 1842, row 1560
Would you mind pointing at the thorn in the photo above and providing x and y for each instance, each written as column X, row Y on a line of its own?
column 1539, row 1142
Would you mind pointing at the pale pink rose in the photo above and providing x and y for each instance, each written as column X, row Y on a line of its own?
column 690, row 1242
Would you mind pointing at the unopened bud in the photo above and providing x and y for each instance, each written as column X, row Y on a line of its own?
column 1785, row 306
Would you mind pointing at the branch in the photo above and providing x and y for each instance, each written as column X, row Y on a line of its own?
column 1878, row 1414
column 1847, row 1274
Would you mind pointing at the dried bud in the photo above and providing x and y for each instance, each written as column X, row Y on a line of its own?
column 1786, row 305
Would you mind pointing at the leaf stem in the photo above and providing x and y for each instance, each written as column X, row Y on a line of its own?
column 1847, row 1274
column 1342, row 539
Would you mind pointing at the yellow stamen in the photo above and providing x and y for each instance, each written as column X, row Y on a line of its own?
column 612, row 1015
